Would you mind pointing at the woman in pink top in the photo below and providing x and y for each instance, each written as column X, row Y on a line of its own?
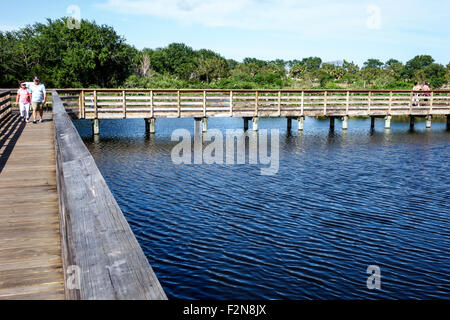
column 426, row 87
column 24, row 100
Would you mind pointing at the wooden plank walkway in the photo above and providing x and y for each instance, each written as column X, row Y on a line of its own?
column 30, row 244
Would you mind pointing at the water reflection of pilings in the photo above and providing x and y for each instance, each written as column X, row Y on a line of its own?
column 149, row 137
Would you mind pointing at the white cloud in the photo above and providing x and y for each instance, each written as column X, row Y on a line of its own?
column 303, row 17
column 380, row 21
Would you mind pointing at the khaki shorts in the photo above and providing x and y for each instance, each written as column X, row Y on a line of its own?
column 37, row 106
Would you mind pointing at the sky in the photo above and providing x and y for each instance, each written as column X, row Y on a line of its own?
column 264, row 29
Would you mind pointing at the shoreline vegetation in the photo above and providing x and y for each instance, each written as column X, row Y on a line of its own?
column 95, row 56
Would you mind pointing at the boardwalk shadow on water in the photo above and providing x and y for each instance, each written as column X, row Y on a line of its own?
column 10, row 130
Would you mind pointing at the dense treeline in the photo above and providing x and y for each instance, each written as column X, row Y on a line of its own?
column 95, row 56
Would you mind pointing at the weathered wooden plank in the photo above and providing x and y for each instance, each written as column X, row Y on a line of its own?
column 96, row 236
column 29, row 228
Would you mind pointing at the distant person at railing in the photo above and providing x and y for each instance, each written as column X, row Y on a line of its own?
column 426, row 87
column 39, row 98
column 23, row 99
column 416, row 87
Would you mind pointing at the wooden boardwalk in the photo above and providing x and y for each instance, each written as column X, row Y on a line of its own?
column 201, row 104
column 30, row 243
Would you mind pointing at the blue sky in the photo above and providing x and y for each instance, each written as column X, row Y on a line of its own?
column 265, row 29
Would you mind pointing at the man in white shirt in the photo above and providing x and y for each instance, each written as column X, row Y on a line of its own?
column 38, row 98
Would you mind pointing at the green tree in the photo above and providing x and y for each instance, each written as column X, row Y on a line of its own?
column 436, row 75
column 373, row 64
column 312, row 63
column 416, row 64
column 394, row 67
column 64, row 57
column 211, row 66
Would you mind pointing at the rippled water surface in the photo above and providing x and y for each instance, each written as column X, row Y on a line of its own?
column 339, row 203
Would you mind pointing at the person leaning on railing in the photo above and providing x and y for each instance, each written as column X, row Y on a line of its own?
column 426, row 87
column 416, row 87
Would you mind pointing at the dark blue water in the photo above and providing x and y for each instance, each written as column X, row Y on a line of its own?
column 340, row 202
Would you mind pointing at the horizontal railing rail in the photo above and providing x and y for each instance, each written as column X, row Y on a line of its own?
column 135, row 103
column 101, row 256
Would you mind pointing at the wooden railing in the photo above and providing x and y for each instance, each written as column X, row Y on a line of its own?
column 101, row 256
column 164, row 103
column 5, row 105
column 15, row 106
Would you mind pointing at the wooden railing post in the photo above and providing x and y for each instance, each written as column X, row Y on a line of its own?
column 179, row 103
column 151, row 104
column 391, row 96
column 279, row 103
column 256, row 103
column 79, row 105
column 325, row 101
column 95, row 105
column 231, row 103
column 302, row 104
column 83, row 105
column 347, row 103
column 124, row 104
column 204, row 103
column 431, row 101
column 370, row 102
column 411, row 102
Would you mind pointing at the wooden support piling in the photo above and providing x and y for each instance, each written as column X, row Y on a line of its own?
column 246, row 121
column 255, row 123
column 428, row 122
column 96, row 126
column 205, row 125
column 411, row 122
column 300, row 123
column 345, row 123
column 150, row 125
column 289, row 124
column 372, row 123
column 387, row 122
column 332, row 123
column 198, row 125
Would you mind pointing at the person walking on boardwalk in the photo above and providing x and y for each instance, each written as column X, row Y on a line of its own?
column 39, row 98
column 416, row 87
column 23, row 100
